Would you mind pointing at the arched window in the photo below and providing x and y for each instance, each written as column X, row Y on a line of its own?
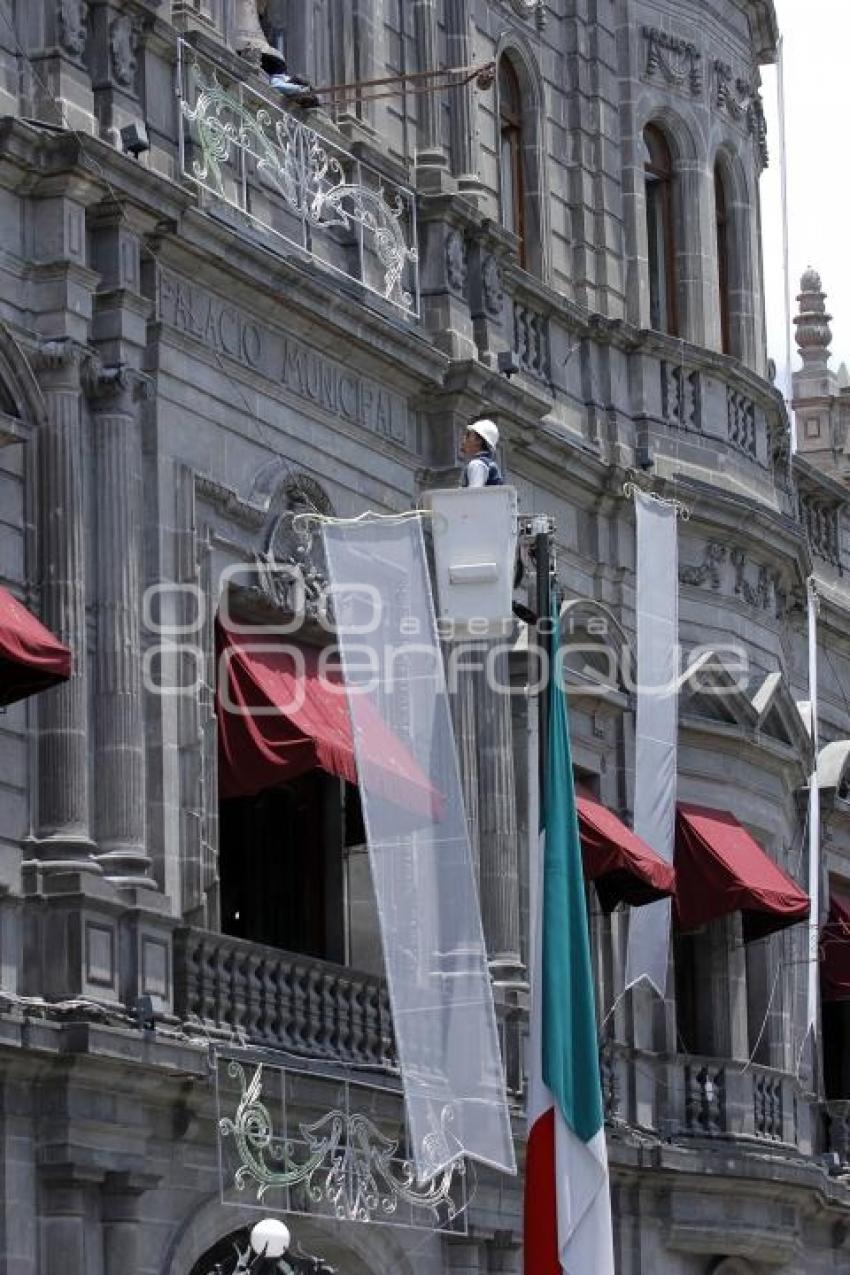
column 660, row 231
column 721, row 216
column 512, row 177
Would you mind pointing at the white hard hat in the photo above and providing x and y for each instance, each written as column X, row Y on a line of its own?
column 489, row 431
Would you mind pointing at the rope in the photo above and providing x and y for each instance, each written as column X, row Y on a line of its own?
column 370, row 515
column 630, row 487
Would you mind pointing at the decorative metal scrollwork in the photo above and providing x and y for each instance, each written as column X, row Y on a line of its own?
column 300, row 167
column 347, row 1163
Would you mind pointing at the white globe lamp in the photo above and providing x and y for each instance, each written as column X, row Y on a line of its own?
column 270, row 1238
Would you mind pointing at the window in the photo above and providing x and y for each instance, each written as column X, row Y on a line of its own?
column 721, row 214
column 661, row 239
column 511, row 154
column 281, row 867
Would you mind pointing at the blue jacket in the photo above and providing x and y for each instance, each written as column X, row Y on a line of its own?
column 494, row 473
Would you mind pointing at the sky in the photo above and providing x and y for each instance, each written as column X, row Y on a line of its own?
column 816, row 55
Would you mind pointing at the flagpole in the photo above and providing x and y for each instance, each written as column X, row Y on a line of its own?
column 544, row 641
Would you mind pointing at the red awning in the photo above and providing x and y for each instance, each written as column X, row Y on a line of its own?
column 31, row 658
column 835, row 950
column 624, row 868
column 279, row 718
column 721, row 869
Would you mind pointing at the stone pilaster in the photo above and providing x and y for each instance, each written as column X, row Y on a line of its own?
column 119, row 718
column 488, row 303
column 499, row 870
column 63, row 840
column 67, row 1203
column 56, row 36
column 121, row 1199
column 115, row 67
column 431, row 159
column 464, row 130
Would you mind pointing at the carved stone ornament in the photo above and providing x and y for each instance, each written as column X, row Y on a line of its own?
column 123, row 43
column 742, row 102
column 491, row 283
column 766, row 594
column 456, row 270
column 678, row 61
column 758, row 595
column 291, row 564
column 528, row 7
column 73, row 26
column 708, row 569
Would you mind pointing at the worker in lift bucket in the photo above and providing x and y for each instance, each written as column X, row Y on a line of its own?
column 478, row 449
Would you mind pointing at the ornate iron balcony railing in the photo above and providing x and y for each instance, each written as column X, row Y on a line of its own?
column 263, row 164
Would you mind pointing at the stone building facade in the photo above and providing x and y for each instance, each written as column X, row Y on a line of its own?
column 191, row 351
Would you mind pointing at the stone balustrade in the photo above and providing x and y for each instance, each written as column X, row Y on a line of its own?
column 689, row 1097
column 232, row 989
column 236, row 989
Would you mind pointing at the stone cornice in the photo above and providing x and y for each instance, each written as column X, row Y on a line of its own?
column 812, row 481
column 765, row 30
column 319, row 307
column 725, row 512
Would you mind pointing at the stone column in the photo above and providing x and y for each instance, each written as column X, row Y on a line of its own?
column 464, row 131
column 63, row 840
column 431, row 162
column 497, row 824
column 119, row 718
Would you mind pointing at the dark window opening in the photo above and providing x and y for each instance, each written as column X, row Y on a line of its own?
column 660, row 230
column 286, row 872
column 512, row 176
column 275, row 864
column 835, row 1018
column 721, row 210
column 703, row 987
column 688, row 1034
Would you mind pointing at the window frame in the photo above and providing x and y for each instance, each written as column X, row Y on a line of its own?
column 723, row 227
column 659, row 180
column 512, row 134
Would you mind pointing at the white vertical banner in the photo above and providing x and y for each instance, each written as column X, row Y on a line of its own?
column 419, row 851
column 657, row 606
column 814, row 819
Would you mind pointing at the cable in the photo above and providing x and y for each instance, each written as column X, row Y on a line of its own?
column 786, row 251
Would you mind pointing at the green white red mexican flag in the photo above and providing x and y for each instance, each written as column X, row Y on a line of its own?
column 567, row 1197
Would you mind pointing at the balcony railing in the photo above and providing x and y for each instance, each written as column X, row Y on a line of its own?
column 688, row 1097
column 265, row 168
column 263, row 996
column 236, row 991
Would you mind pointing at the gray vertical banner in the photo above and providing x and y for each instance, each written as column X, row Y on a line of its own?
column 657, row 590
